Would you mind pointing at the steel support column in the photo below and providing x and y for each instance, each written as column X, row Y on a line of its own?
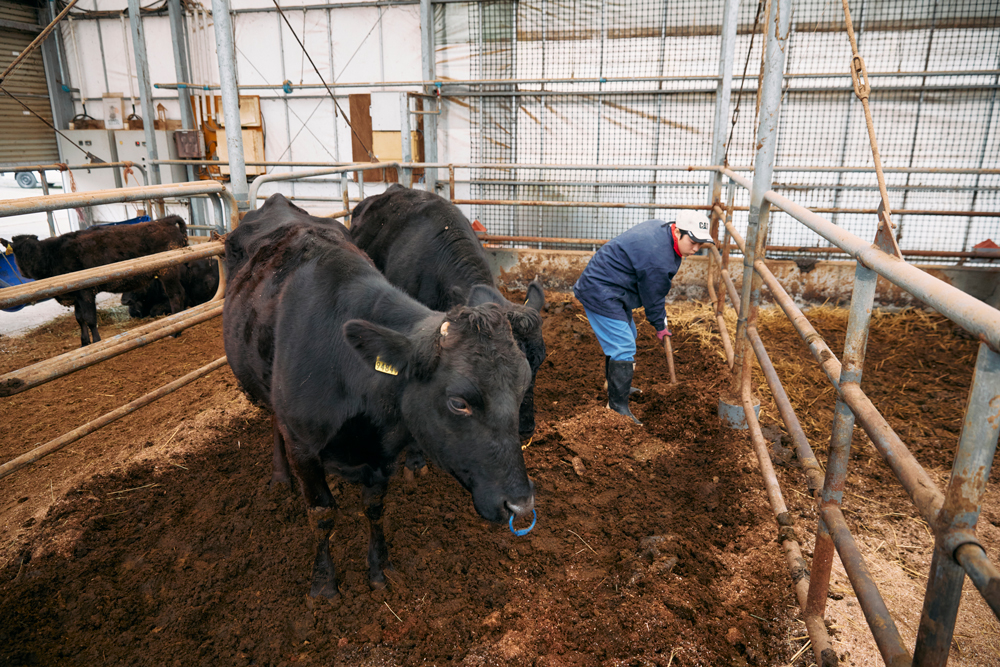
column 730, row 14
column 230, row 101
column 183, row 72
column 145, row 88
column 427, row 69
column 767, row 140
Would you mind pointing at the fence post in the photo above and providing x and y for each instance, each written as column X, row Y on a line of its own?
column 956, row 524
column 231, row 102
column 730, row 403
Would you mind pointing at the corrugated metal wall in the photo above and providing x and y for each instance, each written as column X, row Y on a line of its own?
column 24, row 138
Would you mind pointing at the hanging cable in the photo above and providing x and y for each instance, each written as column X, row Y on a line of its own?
column 739, row 96
column 368, row 150
column 862, row 88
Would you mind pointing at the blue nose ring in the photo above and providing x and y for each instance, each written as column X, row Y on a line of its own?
column 522, row 533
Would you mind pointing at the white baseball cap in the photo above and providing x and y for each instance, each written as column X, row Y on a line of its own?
column 696, row 224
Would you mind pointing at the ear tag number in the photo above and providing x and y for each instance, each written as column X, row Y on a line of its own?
column 383, row 367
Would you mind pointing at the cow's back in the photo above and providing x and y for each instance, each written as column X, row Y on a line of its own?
column 275, row 214
column 268, row 253
column 423, row 244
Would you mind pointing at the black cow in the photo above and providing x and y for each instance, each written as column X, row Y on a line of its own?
column 425, row 246
column 353, row 370
column 97, row 246
column 200, row 280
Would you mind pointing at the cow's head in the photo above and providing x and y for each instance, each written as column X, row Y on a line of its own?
column 526, row 323
column 30, row 258
column 463, row 380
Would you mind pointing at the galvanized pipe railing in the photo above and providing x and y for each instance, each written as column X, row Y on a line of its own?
column 59, row 166
column 506, row 166
column 65, row 200
column 970, row 313
column 957, row 551
column 296, row 175
column 37, row 374
column 58, row 443
column 31, row 376
column 70, row 282
column 915, row 479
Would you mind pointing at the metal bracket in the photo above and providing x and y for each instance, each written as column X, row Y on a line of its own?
column 885, row 240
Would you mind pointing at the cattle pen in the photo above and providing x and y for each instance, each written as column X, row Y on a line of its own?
column 782, row 505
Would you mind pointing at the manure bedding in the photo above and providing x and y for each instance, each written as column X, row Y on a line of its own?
column 157, row 540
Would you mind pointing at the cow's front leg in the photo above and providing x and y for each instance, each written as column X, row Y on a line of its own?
column 85, row 311
column 324, row 575
column 373, row 498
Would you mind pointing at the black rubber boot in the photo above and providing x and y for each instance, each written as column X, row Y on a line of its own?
column 619, row 381
column 631, row 390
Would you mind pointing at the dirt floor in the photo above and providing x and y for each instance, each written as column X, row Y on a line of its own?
column 156, row 541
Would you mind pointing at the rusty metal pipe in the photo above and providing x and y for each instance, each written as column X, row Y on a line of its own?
column 71, row 282
column 88, row 428
column 28, row 377
column 883, row 628
column 804, row 452
column 810, row 465
column 798, row 567
column 720, row 319
column 72, row 199
column 988, row 253
column 979, row 319
column 918, row 484
column 983, row 573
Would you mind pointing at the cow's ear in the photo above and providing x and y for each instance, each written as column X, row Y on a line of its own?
column 480, row 294
column 536, row 295
column 385, row 350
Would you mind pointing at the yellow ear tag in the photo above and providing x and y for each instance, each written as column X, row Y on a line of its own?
column 383, row 367
column 9, row 250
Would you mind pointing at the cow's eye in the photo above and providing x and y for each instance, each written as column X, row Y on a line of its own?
column 459, row 406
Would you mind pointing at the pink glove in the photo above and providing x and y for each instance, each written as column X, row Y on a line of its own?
column 661, row 334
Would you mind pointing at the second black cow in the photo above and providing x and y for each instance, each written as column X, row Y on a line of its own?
column 354, row 370
column 200, row 280
column 97, row 246
column 426, row 246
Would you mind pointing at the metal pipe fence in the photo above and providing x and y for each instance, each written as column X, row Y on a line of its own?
column 952, row 514
column 32, row 376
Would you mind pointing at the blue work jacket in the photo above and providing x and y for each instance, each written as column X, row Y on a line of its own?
column 633, row 269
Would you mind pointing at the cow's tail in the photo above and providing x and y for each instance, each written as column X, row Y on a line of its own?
column 182, row 226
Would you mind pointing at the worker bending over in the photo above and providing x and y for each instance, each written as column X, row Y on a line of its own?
column 635, row 269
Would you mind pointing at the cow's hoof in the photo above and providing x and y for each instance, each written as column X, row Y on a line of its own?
column 379, row 582
column 324, row 589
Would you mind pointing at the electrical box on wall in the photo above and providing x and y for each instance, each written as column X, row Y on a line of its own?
column 131, row 146
column 101, row 144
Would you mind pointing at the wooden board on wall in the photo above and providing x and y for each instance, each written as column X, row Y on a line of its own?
column 361, row 136
column 253, row 149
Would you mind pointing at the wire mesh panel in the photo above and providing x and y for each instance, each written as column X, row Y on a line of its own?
column 634, row 83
